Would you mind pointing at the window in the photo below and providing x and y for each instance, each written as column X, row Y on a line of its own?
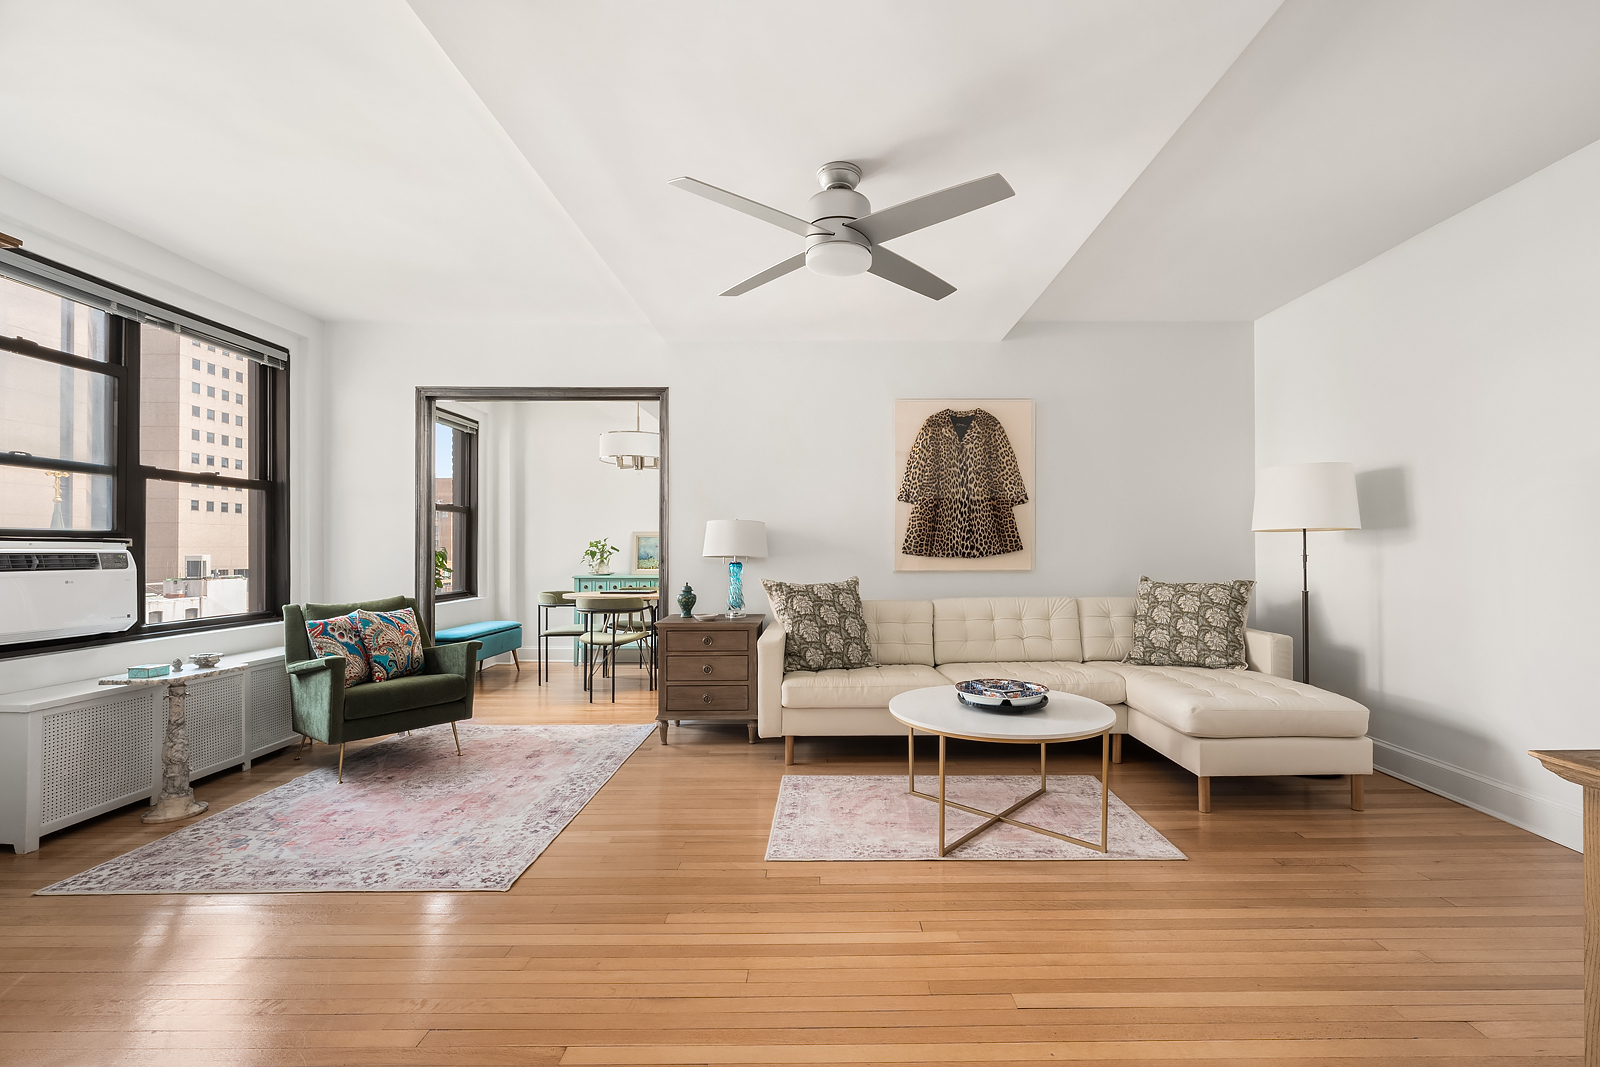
column 211, row 368
column 224, row 372
column 211, row 414
column 455, row 506
column 211, row 461
column 93, row 446
column 211, row 505
column 224, row 392
column 225, row 418
column 211, row 390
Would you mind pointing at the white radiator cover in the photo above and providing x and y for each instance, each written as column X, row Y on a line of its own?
column 74, row 751
column 54, row 589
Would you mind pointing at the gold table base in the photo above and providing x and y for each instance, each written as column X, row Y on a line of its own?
column 1004, row 816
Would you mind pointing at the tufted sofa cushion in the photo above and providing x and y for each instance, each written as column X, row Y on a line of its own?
column 1107, row 625
column 860, row 687
column 1001, row 629
column 900, row 631
column 1062, row 676
column 1203, row 702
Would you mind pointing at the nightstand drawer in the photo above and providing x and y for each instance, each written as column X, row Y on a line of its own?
column 714, row 641
column 690, row 698
column 684, row 668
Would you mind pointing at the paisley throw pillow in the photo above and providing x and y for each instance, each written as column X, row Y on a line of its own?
column 341, row 636
column 393, row 642
column 1190, row 624
column 826, row 629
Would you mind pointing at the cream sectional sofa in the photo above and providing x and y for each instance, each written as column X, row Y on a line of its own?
column 1255, row 721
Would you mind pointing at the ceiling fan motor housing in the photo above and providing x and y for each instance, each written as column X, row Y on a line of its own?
column 842, row 252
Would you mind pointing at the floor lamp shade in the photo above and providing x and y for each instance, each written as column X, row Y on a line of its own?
column 1306, row 496
column 735, row 540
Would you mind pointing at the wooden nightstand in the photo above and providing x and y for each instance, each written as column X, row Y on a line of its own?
column 708, row 670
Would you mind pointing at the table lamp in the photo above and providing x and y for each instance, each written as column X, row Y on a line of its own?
column 1309, row 497
column 735, row 540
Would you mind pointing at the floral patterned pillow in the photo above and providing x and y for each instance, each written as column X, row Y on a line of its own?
column 393, row 641
column 1190, row 624
column 825, row 625
column 341, row 636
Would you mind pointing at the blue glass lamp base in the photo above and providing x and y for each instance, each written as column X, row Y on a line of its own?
column 735, row 588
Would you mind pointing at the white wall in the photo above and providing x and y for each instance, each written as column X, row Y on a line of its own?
column 52, row 229
column 1459, row 372
column 1144, row 446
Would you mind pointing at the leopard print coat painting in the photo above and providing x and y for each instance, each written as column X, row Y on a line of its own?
column 962, row 481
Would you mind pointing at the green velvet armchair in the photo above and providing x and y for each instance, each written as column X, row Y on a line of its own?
column 326, row 711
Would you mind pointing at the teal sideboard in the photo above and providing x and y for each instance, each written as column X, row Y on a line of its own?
column 607, row 583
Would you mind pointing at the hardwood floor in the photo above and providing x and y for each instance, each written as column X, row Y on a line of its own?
column 652, row 932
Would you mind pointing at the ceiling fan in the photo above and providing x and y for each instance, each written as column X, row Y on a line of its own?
column 845, row 236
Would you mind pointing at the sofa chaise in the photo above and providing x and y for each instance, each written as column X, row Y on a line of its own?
column 1253, row 721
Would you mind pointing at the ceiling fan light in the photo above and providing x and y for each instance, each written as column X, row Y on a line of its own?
column 838, row 259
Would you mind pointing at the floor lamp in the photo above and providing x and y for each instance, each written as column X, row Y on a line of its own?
column 1309, row 498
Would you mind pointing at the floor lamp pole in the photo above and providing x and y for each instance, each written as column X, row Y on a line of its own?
column 1305, row 609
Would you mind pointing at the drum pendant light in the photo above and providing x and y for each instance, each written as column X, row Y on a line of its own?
column 632, row 450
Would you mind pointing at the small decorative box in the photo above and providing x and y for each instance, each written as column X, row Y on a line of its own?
column 150, row 670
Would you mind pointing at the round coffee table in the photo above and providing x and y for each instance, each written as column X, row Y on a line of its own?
column 1066, row 717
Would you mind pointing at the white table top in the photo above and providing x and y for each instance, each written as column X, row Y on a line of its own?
column 1066, row 717
column 189, row 673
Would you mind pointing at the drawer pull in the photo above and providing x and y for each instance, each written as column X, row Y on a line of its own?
column 706, row 699
column 706, row 669
column 706, row 640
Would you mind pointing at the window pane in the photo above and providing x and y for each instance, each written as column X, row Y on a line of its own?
column 448, row 530
column 444, row 452
column 198, row 546
column 168, row 422
column 54, row 500
column 50, row 320
column 54, row 412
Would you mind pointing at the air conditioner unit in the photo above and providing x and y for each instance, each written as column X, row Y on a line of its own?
column 51, row 589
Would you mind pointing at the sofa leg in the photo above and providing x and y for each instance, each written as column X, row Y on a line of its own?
column 788, row 750
column 1358, row 799
column 1116, row 748
column 515, row 662
column 1205, row 793
column 457, row 735
column 341, row 761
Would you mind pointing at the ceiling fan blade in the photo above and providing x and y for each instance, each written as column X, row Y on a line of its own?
column 749, row 207
column 793, row 263
column 901, row 271
column 924, row 211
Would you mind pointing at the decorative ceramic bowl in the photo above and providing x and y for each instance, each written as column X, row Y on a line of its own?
column 206, row 659
column 1001, row 694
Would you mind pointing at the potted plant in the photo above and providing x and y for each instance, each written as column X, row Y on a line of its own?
column 598, row 556
column 441, row 568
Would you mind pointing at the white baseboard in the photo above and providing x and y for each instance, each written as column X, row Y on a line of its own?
column 1548, row 818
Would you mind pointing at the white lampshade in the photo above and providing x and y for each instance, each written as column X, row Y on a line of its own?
column 742, row 538
column 638, row 449
column 1306, row 496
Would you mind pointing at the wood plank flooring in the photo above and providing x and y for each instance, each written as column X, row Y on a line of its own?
column 652, row 932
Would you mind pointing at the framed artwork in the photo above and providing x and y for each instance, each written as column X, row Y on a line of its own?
column 945, row 453
column 647, row 553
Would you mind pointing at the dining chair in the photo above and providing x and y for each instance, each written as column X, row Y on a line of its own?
column 604, row 634
column 548, row 602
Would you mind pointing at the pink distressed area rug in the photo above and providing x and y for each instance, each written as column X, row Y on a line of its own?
column 411, row 816
column 872, row 817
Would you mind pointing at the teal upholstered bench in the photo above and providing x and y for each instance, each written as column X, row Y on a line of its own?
column 498, row 638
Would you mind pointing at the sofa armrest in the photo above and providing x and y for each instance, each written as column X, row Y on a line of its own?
column 769, row 681
column 311, row 666
column 458, row 658
column 1269, row 653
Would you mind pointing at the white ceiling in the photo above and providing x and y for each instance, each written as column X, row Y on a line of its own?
column 508, row 159
column 1069, row 99
column 1345, row 128
column 324, row 152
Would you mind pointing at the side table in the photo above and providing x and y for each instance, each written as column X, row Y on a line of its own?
column 175, row 799
column 708, row 670
column 1582, row 765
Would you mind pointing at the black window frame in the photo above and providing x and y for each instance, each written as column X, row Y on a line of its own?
column 465, row 463
column 269, row 430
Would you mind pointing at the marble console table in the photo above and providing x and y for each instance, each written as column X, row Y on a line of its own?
column 176, row 797
column 1582, row 765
